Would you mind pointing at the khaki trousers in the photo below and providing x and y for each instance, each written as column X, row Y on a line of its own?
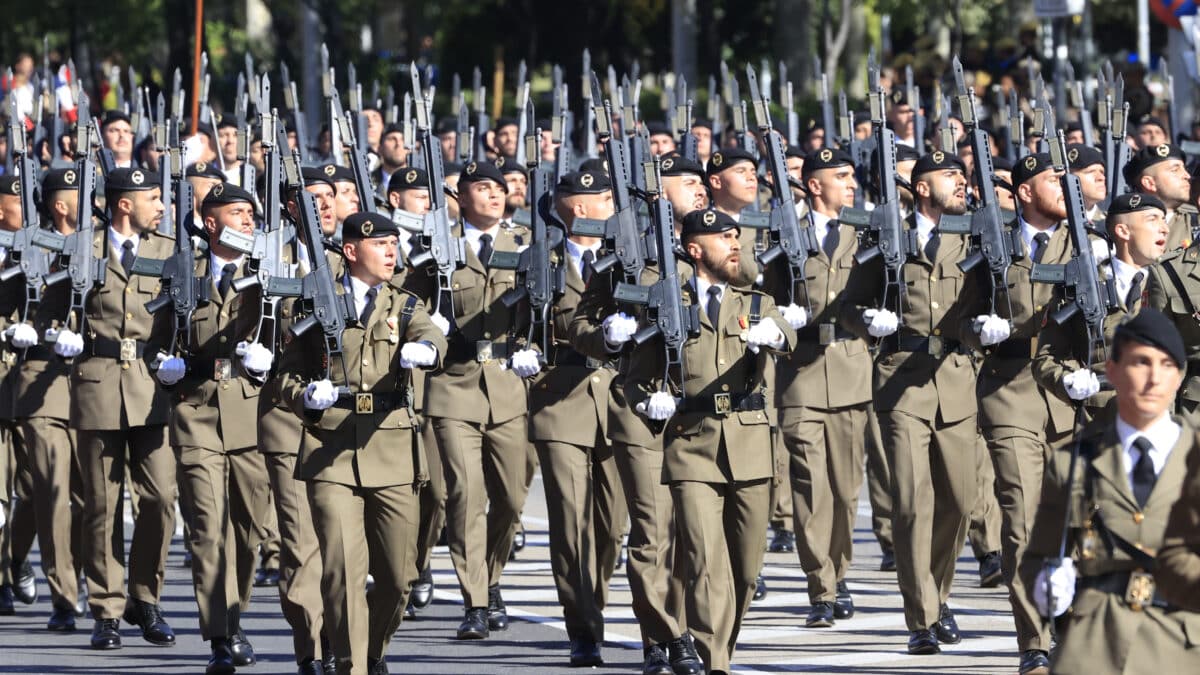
column 984, row 528
column 879, row 483
column 53, row 475
column 299, row 557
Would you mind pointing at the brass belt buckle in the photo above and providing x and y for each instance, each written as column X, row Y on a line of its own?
column 128, row 350
column 826, row 334
column 722, row 404
column 1140, row 591
column 936, row 346
column 483, row 351
column 222, row 370
column 364, row 404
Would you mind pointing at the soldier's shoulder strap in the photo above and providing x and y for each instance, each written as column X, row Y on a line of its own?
column 1171, row 273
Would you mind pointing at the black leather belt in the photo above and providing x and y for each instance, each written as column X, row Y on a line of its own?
column 121, row 350
column 1140, row 585
column 220, row 370
column 933, row 345
column 565, row 356
column 37, row 353
column 724, row 404
column 825, row 334
column 1013, row 349
column 368, row 403
column 483, row 351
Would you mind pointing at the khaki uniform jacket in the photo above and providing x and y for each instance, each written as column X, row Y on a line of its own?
column 813, row 376
column 1102, row 628
column 1179, row 226
column 117, row 311
column 716, row 362
column 569, row 403
column 40, row 385
column 12, row 299
column 465, row 389
column 919, row 383
column 1061, row 350
column 210, row 413
column 1178, row 567
column 1163, row 294
column 376, row 449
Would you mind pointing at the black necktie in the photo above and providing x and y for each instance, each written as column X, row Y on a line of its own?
column 1135, row 289
column 1143, row 471
column 831, row 239
column 1039, row 246
column 226, row 281
column 485, row 248
column 931, row 246
column 127, row 256
column 368, row 307
column 589, row 260
column 713, row 309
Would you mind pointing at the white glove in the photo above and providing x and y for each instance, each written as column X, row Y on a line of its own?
column 795, row 315
column 22, row 336
column 320, row 395
column 417, row 355
column 619, row 329
column 525, row 363
column 1061, row 583
column 170, row 368
column 441, row 322
column 1081, row 384
column 660, row 406
column 992, row 329
column 255, row 357
column 881, row 322
column 69, row 344
column 765, row 333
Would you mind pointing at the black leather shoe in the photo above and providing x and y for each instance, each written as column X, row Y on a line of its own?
column 7, row 608
column 187, row 558
column 376, row 666
column 519, row 539
column 623, row 556
column 784, row 541
column 266, row 577
column 760, row 588
column 221, row 661
column 656, row 662
column 329, row 661
column 497, row 615
column 106, row 634
column 475, row 625
column 946, row 627
column 150, row 619
column 888, row 562
column 62, row 620
column 311, row 667
column 843, row 606
column 25, row 589
column 422, row 590
column 240, row 647
column 821, row 615
column 923, row 642
column 410, row 612
column 684, row 659
column 990, row 571
column 1034, row 662
column 585, row 653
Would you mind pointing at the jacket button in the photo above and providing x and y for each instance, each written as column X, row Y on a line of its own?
column 595, row 379
column 833, row 295
column 937, row 331
column 223, row 339
column 224, row 385
column 724, row 387
column 124, row 366
column 456, row 286
column 487, row 335
column 1139, row 517
column 366, row 362
column 720, row 362
column 679, row 427
column 934, row 305
column 128, row 316
column 128, row 290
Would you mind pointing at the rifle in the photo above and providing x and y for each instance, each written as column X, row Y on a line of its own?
column 522, row 97
column 913, row 93
column 823, row 101
column 589, row 121
column 291, row 101
column 356, row 155
column 883, row 228
column 481, row 117
column 163, row 142
column 248, row 174
column 560, row 125
column 991, row 241
column 860, row 152
column 1016, row 128
column 355, row 107
column 788, row 238
column 689, row 146
column 464, row 136
column 1077, row 101
column 1121, row 150
column 737, row 107
column 714, row 113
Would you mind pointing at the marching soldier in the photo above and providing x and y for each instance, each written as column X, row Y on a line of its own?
column 924, row 394
column 1159, row 170
column 124, row 436
column 1087, row 163
column 11, row 295
column 1177, row 569
column 733, row 182
column 1130, row 470
column 364, row 473
column 1171, row 286
column 722, row 505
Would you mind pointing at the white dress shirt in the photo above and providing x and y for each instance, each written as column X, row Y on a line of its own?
column 820, row 225
column 473, row 234
column 1123, row 274
column 925, row 228
column 575, row 252
column 702, row 287
column 118, row 243
column 216, row 265
column 1162, row 434
column 359, row 289
column 1028, row 232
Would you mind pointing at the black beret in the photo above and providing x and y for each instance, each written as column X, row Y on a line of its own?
column 1132, row 202
column 1031, row 165
column 508, row 165
column 226, row 193
column 10, row 185
column 368, row 225
column 505, row 122
column 727, row 157
column 111, row 116
column 1002, row 164
column 1074, row 126
column 544, row 124
column 226, row 122
column 1149, row 156
column 60, row 179
column 702, row 122
column 811, row 125
column 594, row 164
column 451, row 168
column 392, row 128
column 408, row 179
column 906, row 153
column 1151, row 119
column 201, row 128
column 1081, row 156
column 861, row 117
column 675, row 164
column 583, row 183
column 795, row 151
column 130, row 180
column 898, row 96
column 825, row 158
column 316, row 174
column 707, row 221
column 475, row 172
column 338, row 173
column 1151, row 327
column 658, row 129
column 204, row 170
column 937, row 161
